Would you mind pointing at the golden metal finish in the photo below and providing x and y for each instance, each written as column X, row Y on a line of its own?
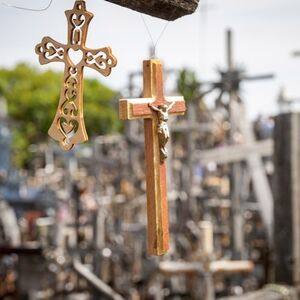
column 162, row 128
column 68, row 126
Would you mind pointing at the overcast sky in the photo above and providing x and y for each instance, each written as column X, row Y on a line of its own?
column 265, row 34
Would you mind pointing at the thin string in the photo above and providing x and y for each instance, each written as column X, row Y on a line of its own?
column 28, row 8
column 154, row 44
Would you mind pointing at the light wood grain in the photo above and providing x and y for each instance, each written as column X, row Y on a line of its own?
column 130, row 109
column 68, row 126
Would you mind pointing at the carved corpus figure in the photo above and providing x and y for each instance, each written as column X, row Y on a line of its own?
column 155, row 109
column 162, row 128
column 68, row 126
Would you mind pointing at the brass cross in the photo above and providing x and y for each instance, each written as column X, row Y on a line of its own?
column 68, row 125
column 154, row 108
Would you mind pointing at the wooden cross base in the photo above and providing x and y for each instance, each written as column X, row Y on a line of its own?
column 146, row 108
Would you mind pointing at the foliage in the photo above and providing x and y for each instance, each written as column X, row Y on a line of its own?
column 32, row 98
column 188, row 85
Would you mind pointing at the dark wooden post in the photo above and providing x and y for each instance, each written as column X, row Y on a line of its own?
column 287, row 198
column 164, row 9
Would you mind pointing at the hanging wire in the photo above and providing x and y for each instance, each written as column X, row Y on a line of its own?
column 28, row 8
column 154, row 44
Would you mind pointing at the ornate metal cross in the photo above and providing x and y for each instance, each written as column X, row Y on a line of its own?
column 68, row 126
column 154, row 109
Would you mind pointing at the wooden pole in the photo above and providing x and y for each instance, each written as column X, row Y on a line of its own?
column 236, row 168
column 287, row 198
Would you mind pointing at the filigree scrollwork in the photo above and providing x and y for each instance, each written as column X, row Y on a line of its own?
column 68, row 126
column 67, row 120
column 71, row 84
column 102, row 60
column 78, row 22
column 49, row 51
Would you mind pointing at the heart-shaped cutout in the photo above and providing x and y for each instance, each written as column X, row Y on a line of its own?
column 68, row 127
column 75, row 56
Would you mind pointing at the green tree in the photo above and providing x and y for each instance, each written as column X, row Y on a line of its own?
column 32, row 98
column 188, row 85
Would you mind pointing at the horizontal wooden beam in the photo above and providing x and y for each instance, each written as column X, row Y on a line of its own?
column 234, row 153
column 231, row 266
column 34, row 250
column 219, row 266
column 164, row 9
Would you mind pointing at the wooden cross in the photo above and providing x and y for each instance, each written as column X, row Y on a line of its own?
column 68, row 126
column 150, row 108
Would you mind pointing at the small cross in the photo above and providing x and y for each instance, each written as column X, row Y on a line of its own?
column 68, row 126
column 154, row 108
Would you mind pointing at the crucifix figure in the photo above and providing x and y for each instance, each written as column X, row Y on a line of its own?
column 155, row 109
column 68, row 126
column 162, row 128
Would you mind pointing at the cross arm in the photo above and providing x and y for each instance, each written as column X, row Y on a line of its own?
column 179, row 107
column 138, row 108
column 49, row 51
column 101, row 60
